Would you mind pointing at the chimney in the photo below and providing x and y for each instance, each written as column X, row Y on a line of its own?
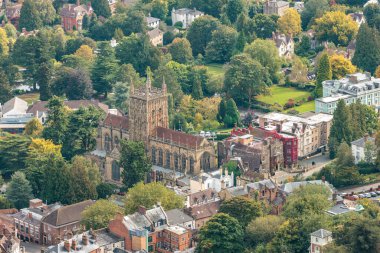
column 85, row 239
column 66, row 244
column 142, row 210
column 74, row 245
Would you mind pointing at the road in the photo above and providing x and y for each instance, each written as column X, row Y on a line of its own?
column 360, row 189
column 31, row 247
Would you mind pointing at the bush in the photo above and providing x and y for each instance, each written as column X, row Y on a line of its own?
column 289, row 104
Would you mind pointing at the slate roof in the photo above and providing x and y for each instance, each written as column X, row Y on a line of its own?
column 205, row 210
column 40, row 106
column 72, row 10
column 151, row 20
column 154, row 33
column 177, row 217
column 116, row 121
column 202, row 196
column 177, row 137
column 268, row 183
column 322, row 233
column 361, row 142
column 186, row 11
column 139, row 221
column 67, row 214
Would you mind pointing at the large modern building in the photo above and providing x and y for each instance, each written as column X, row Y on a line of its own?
column 185, row 16
column 359, row 86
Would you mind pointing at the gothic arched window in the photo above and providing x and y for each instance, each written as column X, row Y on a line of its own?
column 107, row 142
column 153, row 155
column 160, row 157
column 205, row 162
column 191, row 165
column 115, row 171
column 175, row 161
column 183, row 167
column 168, row 160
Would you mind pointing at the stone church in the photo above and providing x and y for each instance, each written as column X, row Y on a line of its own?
column 170, row 151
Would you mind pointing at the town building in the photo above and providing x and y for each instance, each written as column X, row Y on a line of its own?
column 63, row 222
column 28, row 222
column 9, row 243
column 185, row 16
column 112, row 4
column 156, row 37
column 215, row 180
column 358, row 17
column 353, row 87
column 13, row 12
column 180, row 218
column 171, row 152
column 274, row 7
column 319, row 239
column 14, row 107
column 284, row 44
column 149, row 230
column 299, row 6
column 311, row 129
column 358, row 148
column 99, row 241
column 152, row 22
column 72, row 15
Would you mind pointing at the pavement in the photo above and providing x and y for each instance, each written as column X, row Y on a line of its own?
column 31, row 247
column 360, row 189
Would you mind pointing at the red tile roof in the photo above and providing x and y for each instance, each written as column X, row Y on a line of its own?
column 177, row 137
column 115, row 121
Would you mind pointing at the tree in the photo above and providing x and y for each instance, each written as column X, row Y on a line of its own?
column 367, row 53
column 101, row 8
column 5, row 203
column 241, row 208
column 233, row 8
column 105, row 190
column 341, row 66
column 148, row 195
column 263, row 229
column 134, row 161
column 104, row 69
column 232, row 116
column 304, row 46
column 13, row 150
column 245, row 78
column 299, row 71
column 222, row 233
column 85, row 52
column 341, row 128
column 44, row 79
column 266, row 53
column 138, row 51
column 4, row 43
column 200, row 33
column 99, row 214
column 313, row 9
column 377, row 72
column 323, row 73
column 336, row 27
column 33, row 128
column 30, row 18
column 180, row 49
column 5, row 88
column 57, row 121
column 74, row 83
column 82, row 126
column 197, row 92
column 371, row 13
column 159, row 9
column 19, row 191
column 344, row 156
column 211, row 7
column 290, row 22
column 167, row 74
column 222, row 44
column 85, row 177
column 221, row 110
column 369, row 152
column 263, row 26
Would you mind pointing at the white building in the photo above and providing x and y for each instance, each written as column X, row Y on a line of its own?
column 185, row 16
column 14, row 107
column 371, row 2
column 358, row 148
column 284, row 44
column 152, row 22
column 351, row 88
column 214, row 180
column 319, row 239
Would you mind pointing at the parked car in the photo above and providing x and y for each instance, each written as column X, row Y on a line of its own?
column 368, row 195
column 355, row 197
column 373, row 194
column 378, row 192
column 361, row 196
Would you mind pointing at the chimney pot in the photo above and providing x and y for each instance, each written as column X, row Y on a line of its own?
column 85, row 239
column 142, row 210
column 74, row 244
column 67, row 245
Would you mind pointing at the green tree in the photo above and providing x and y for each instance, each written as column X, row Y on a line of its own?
column 211, row 7
column 324, row 73
column 180, row 49
column 159, row 9
column 290, row 22
column 5, row 88
column 313, row 9
column 222, row 233
column 19, row 191
column 263, row 229
column 44, row 79
column 233, row 9
column 82, row 126
column 74, row 83
column 148, row 195
column 30, row 18
column 105, row 190
column 341, row 128
column 134, row 161
column 222, row 44
column 5, row 203
column 101, row 8
column 245, row 78
column 369, row 152
column 57, row 121
column 167, row 74
column 98, row 215
column 367, row 53
column 263, row 26
column 138, row 51
column 232, row 116
column 33, row 128
column 241, row 208
column 200, row 33
column 344, row 156
column 104, row 69
column 197, row 92
column 304, row 46
column 266, row 53
column 222, row 110
column 371, row 13
column 13, row 150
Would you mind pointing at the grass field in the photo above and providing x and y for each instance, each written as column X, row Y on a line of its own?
column 30, row 97
column 216, row 70
column 306, row 107
column 281, row 95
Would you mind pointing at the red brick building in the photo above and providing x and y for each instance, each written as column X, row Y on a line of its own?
column 72, row 15
column 149, row 230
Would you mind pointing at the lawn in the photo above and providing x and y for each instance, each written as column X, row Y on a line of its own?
column 306, row 107
column 30, row 98
column 216, row 70
column 281, row 95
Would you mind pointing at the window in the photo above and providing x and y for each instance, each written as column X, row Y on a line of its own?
column 150, row 239
column 115, row 171
column 191, row 165
column 160, row 157
column 167, row 159
column 107, row 142
column 150, row 248
column 183, row 167
column 153, row 155
column 175, row 161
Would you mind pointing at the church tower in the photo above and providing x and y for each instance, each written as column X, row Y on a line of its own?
column 148, row 109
